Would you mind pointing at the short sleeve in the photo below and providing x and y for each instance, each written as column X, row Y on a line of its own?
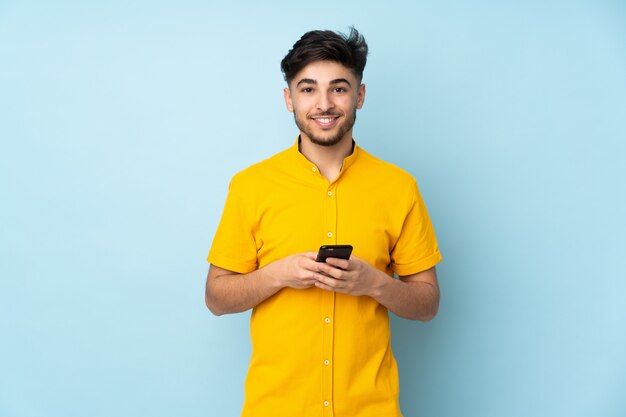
column 234, row 246
column 416, row 249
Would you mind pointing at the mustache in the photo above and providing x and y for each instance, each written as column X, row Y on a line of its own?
column 325, row 113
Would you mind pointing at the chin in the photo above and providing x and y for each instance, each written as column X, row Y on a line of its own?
column 329, row 139
column 332, row 141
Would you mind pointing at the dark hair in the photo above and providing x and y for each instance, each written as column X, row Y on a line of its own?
column 325, row 45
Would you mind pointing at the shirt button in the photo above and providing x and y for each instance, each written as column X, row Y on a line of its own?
column 326, row 362
column 327, row 320
column 330, row 193
column 314, row 169
column 326, row 403
column 329, row 234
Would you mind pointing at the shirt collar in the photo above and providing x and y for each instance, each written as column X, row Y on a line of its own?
column 310, row 166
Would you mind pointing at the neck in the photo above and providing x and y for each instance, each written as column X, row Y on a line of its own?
column 328, row 159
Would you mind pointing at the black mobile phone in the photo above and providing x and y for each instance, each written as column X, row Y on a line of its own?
column 334, row 251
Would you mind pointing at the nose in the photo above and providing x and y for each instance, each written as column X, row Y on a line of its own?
column 324, row 103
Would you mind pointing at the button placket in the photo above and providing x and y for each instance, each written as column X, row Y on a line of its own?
column 328, row 305
column 331, row 216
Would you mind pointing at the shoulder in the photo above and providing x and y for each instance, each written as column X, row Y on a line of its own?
column 383, row 170
column 389, row 179
column 252, row 177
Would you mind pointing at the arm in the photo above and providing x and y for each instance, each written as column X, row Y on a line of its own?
column 414, row 297
column 231, row 292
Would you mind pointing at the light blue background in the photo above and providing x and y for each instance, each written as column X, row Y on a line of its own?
column 121, row 125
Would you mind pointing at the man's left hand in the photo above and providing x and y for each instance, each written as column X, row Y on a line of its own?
column 353, row 276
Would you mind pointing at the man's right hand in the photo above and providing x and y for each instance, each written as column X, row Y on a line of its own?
column 232, row 292
column 297, row 271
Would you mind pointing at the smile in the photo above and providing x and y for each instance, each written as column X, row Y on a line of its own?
column 325, row 121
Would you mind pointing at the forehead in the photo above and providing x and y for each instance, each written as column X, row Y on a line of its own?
column 323, row 72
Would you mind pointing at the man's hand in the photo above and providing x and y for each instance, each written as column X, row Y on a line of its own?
column 353, row 276
column 232, row 292
column 414, row 297
column 297, row 271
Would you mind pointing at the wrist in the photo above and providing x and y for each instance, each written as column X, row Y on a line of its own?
column 380, row 282
column 269, row 275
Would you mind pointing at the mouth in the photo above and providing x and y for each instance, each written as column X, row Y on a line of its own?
column 326, row 121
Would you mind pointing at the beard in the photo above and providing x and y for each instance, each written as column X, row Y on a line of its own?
column 331, row 140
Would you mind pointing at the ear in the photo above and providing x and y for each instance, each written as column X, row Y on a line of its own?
column 288, row 103
column 360, row 96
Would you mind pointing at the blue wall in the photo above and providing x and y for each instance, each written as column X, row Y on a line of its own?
column 120, row 126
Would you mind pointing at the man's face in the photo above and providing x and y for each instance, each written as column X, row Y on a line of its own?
column 324, row 97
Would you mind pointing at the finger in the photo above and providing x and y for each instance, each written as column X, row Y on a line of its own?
column 323, row 286
column 331, row 282
column 308, row 270
column 326, row 287
column 332, row 271
column 309, row 255
column 311, row 265
column 339, row 263
column 315, row 276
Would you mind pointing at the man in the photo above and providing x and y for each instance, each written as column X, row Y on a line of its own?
column 320, row 331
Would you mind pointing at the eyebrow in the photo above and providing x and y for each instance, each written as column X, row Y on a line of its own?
column 314, row 82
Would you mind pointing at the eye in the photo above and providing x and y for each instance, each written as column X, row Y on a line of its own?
column 307, row 90
column 339, row 90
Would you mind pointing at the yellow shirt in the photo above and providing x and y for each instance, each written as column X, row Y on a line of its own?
column 319, row 353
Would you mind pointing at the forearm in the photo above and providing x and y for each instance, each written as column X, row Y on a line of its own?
column 414, row 300
column 233, row 293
